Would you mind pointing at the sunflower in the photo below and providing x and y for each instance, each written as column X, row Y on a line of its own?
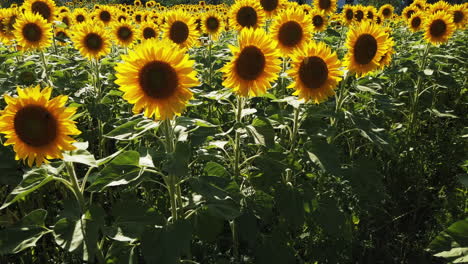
column 408, row 12
column 39, row 128
column 419, row 4
column 180, row 28
column 62, row 36
column 366, row 44
column 137, row 3
column 327, row 6
column 416, row 21
column 378, row 19
column 440, row 6
column 156, row 77
column 319, row 20
column 8, row 18
column 348, row 14
column 370, row 12
column 138, row 17
column 212, row 24
column 65, row 18
column 247, row 14
column 105, row 14
column 33, row 32
column 80, row 15
column 460, row 16
column 315, row 71
column 386, row 11
column 91, row 40
column 438, row 27
column 386, row 58
column 148, row 30
column 46, row 8
column 270, row 7
column 359, row 13
column 123, row 33
column 291, row 30
column 254, row 65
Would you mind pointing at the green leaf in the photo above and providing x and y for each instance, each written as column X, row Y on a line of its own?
column 207, row 226
column 32, row 180
column 188, row 121
column 215, row 169
column 23, row 234
column 121, row 253
column 262, row 131
column 132, row 129
column 290, row 205
column 452, row 243
column 80, row 155
column 178, row 161
column 324, row 155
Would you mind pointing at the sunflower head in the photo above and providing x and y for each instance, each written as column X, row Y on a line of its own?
column 460, row 16
column 123, row 33
column 45, row 8
column 348, row 14
column 416, row 21
column 104, row 14
column 440, row 6
column 386, row 11
column 247, row 14
column 366, row 44
column 408, row 12
column 254, row 65
column 319, row 20
column 291, row 30
column 79, row 15
column 62, row 36
column 438, row 27
column 180, row 28
column 359, row 15
column 37, row 126
column 33, row 32
column 315, row 71
column 91, row 40
column 271, row 7
column 327, row 6
column 156, row 77
column 212, row 24
column 148, row 30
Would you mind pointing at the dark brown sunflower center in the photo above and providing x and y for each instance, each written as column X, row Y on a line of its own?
column 121, row 18
column 247, row 16
column 93, row 42
column 349, row 14
column 80, row 18
column 370, row 15
column 158, row 80
column 212, row 23
column 35, row 126
column 61, row 36
column 415, row 22
column 42, row 8
column 313, row 72
column 251, row 63
column 32, row 32
column 365, row 49
column 269, row 5
column 179, row 32
column 457, row 16
column 124, row 33
column 105, row 16
column 378, row 20
column 438, row 28
column 66, row 21
column 149, row 33
column 359, row 15
column 409, row 13
column 317, row 21
column 386, row 12
column 324, row 4
column 290, row 33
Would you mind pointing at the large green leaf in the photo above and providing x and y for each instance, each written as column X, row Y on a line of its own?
column 80, row 155
column 262, row 131
column 132, row 129
column 32, row 180
column 452, row 243
column 23, row 234
column 324, row 155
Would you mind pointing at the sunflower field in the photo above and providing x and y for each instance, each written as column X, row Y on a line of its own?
column 262, row 132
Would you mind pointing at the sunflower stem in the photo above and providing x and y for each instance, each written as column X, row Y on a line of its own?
column 75, row 185
column 171, row 179
column 46, row 72
column 296, row 124
column 237, row 147
column 412, row 129
column 210, row 66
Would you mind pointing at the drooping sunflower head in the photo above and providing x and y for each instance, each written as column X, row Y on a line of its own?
column 37, row 126
column 366, row 44
column 105, row 14
column 438, row 27
column 291, row 30
column 123, row 33
column 212, row 24
column 33, row 32
column 460, row 16
column 255, row 63
column 315, row 70
column 91, row 40
column 45, row 8
column 319, row 20
column 348, row 14
column 156, row 77
column 246, row 14
column 271, row 7
column 416, row 21
column 386, row 11
column 327, row 6
column 180, row 28
column 148, row 30
column 79, row 15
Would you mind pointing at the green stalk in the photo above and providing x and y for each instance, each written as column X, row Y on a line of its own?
column 171, row 180
column 237, row 149
column 75, row 186
column 46, row 72
column 295, row 127
column 210, row 66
